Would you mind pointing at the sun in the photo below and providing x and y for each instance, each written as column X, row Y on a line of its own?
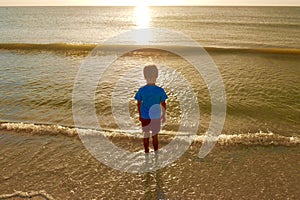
column 142, row 16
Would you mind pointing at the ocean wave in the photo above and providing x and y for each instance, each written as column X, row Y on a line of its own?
column 260, row 138
column 49, row 46
column 38, row 129
column 19, row 194
column 89, row 47
column 247, row 139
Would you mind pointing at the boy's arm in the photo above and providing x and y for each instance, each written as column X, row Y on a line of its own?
column 139, row 103
column 163, row 116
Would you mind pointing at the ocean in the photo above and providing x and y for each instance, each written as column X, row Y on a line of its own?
column 256, row 50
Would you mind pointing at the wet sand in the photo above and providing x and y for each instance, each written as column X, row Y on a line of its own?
column 61, row 168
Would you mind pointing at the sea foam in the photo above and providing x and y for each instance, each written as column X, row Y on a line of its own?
column 247, row 139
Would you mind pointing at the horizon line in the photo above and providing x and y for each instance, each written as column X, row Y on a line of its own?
column 75, row 5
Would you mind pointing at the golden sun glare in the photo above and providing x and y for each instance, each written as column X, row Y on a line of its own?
column 142, row 16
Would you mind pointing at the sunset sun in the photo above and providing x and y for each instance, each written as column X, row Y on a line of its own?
column 142, row 16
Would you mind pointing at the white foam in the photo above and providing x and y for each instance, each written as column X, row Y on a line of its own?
column 259, row 138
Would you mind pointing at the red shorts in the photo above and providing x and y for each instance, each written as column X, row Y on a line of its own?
column 152, row 125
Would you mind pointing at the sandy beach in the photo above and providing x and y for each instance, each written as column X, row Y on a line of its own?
column 61, row 168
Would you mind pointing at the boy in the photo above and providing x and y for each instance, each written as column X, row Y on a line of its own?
column 150, row 98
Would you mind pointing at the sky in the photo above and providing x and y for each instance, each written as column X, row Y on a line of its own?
column 148, row 2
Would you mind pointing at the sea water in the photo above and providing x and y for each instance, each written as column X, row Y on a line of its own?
column 42, row 49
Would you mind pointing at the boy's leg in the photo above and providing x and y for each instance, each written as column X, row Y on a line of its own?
column 146, row 131
column 155, row 141
column 155, row 127
column 146, row 142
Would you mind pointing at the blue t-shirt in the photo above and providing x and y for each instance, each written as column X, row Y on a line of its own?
column 151, row 96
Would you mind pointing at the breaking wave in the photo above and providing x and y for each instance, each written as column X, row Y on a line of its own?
column 56, row 47
column 248, row 139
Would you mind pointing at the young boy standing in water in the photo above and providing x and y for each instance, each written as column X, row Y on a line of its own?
column 150, row 98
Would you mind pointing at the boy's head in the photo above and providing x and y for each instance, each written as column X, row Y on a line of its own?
column 150, row 73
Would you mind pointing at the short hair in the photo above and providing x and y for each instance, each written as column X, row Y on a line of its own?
column 150, row 71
